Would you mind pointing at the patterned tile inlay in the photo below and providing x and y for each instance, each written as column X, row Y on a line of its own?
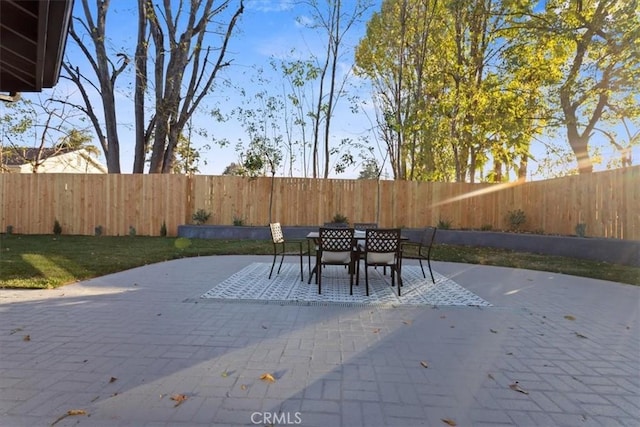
column 252, row 283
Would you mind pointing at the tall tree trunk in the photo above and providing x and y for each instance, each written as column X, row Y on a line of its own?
column 140, row 152
column 106, row 72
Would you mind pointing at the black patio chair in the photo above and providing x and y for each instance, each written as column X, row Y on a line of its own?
column 362, row 226
column 280, row 249
column 382, row 249
column 336, row 247
column 421, row 250
column 336, row 225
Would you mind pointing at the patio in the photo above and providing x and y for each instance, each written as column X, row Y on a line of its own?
column 121, row 346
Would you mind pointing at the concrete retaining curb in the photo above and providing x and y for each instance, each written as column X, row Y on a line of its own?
column 626, row 252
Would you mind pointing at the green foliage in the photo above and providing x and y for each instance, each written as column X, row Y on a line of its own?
column 474, row 83
column 456, row 110
column 47, row 122
column 581, row 229
column 163, row 229
column 76, row 139
column 97, row 231
column 516, row 219
column 9, row 230
column 370, row 170
column 187, row 157
column 57, row 228
column 486, row 227
column 201, row 216
column 234, row 169
column 593, row 48
column 132, row 231
column 260, row 116
column 444, row 224
column 238, row 221
column 340, row 219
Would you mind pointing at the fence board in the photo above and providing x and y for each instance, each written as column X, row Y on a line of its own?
column 607, row 202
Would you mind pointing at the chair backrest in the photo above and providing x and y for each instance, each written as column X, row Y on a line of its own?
column 428, row 236
column 336, row 239
column 276, row 232
column 336, row 225
column 364, row 225
column 382, row 240
column 382, row 246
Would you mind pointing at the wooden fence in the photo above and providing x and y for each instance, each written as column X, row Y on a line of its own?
column 607, row 202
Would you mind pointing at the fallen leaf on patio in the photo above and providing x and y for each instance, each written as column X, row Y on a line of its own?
column 579, row 335
column 224, row 374
column 493, row 331
column 26, row 338
column 408, row 322
column 179, row 398
column 491, row 377
column 268, row 378
column 13, row 331
column 452, row 326
column 264, row 327
column 243, row 387
column 569, row 317
column 69, row 413
column 510, row 353
column 449, row 422
column 113, row 380
column 516, row 387
column 424, row 364
column 376, row 330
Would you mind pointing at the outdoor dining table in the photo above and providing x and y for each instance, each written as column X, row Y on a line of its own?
column 358, row 235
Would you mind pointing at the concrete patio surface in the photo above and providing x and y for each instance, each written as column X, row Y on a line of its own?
column 141, row 348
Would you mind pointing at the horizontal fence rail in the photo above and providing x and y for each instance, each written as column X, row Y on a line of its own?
column 606, row 203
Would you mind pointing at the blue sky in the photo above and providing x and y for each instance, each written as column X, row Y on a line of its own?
column 268, row 28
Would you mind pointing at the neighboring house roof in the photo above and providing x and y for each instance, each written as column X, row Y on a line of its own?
column 61, row 160
column 20, row 155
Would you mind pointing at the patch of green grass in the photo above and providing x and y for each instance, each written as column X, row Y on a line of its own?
column 531, row 261
column 28, row 261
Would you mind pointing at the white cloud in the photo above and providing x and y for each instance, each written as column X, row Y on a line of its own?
column 270, row 5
